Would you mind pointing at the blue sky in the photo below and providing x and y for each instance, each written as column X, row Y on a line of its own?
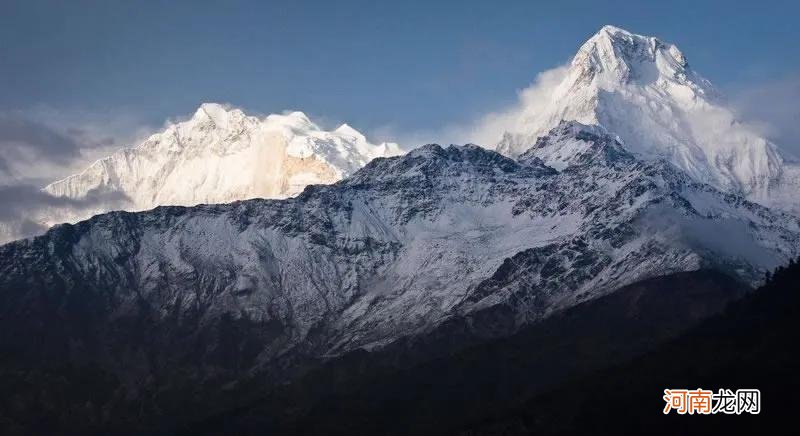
column 402, row 65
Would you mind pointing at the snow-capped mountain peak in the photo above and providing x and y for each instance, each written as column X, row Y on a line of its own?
column 219, row 155
column 621, row 56
column 643, row 90
column 346, row 130
column 217, row 113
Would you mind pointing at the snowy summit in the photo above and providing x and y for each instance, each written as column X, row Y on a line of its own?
column 643, row 90
column 222, row 155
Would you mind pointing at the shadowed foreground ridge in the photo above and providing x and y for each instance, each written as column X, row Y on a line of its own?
column 377, row 393
column 752, row 345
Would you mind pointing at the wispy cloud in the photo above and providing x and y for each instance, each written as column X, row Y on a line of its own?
column 38, row 146
column 770, row 109
column 488, row 129
column 531, row 101
column 19, row 200
column 774, row 109
column 24, row 141
column 27, row 210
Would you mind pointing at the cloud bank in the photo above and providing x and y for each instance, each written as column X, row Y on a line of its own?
column 25, row 208
column 37, row 147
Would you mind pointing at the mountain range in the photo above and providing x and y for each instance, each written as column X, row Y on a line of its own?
column 323, row 245
column 639, row 88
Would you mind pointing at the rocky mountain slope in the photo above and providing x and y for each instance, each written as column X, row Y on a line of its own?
column 643, row 90
column 392, row 251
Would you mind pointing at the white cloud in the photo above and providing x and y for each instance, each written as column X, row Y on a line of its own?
column 774, row 108
column 530, row 101
column 41, row 145
column 488, row 129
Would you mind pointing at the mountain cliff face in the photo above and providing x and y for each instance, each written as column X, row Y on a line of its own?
column 643, row 90
column 393, row 250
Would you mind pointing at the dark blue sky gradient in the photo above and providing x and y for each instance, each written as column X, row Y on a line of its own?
column 409, row 64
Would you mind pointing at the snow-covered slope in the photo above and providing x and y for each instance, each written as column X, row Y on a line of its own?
column 405, row 244
column 222, row 155
column 643, row 90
